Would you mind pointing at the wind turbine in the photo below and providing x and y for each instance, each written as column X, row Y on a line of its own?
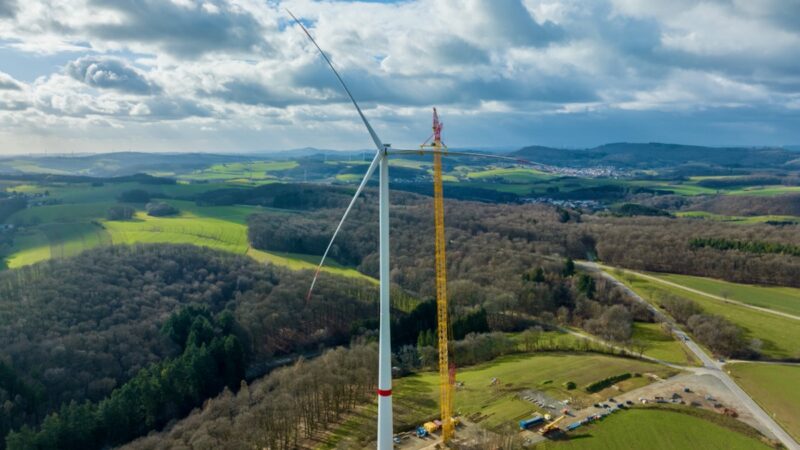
column 381, row 161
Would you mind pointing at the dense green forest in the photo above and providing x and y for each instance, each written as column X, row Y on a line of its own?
column 757, row 247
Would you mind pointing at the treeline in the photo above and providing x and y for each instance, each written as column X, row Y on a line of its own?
column 280, row 410
column 80, row 329
column 757, row 247
column 734, row 182
column 142, row 178
column 715, row 332
column 501, row 241
column 212, row 358
column 744, row 205
column 664, row 245
column 20, row 402
column 285, row 196
column 599, row 385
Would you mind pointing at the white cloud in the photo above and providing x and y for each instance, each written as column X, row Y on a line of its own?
column 242, row 69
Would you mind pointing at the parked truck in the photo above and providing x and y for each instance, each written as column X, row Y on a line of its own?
column 527, row 423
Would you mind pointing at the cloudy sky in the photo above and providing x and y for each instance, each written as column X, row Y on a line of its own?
column 237, row 75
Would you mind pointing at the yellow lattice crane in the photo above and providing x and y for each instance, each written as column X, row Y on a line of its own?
column 446, row 368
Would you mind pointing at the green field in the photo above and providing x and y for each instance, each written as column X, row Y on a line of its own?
column 784, row 299
column 56, row 240
column 256, row 170
column 65, row 213
column 512, row 175
column 661, row 345
column 30, row 247
column 765, row 190
column 736, row 219
column 774, row 387
column 85, row 193
column 63, row 230
column 780, row 336
column 185, row 229
column 654, row 429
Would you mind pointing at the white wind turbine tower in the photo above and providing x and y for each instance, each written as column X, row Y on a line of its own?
column 381, row 159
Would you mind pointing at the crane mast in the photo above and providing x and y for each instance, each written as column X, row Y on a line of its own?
column 446, row 368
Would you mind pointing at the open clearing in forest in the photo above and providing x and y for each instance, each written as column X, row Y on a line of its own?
column 780, row 336
column 774, row 387
column 654, row 429
column 784, row 299
column 416, row 396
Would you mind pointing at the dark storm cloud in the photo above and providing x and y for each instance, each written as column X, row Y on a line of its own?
column 8, row 8
column 107, row 73
column 187, row 31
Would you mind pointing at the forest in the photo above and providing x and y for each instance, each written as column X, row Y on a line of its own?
column 104, row 313
column 481, row 234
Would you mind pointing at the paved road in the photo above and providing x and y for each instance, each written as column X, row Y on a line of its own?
column 715, row 297
column 711, row 366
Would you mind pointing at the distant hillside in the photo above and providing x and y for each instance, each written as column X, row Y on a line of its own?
column 657, row 155
column 115, row 164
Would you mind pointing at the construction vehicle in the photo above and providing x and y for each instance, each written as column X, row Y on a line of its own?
column 551, row 427
column 527, row 423
column 430, row 427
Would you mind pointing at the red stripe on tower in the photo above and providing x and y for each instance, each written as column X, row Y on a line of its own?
column 385, row 393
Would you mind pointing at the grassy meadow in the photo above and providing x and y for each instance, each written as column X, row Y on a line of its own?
column 79, row 223
column 774, row 387
column 654, row 429
column 661, row 345
column 780, row 336
column 784, row 299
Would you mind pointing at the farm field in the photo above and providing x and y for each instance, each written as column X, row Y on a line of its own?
column 765, row 190
column 774, row 387
column 654, row 429
column 785, row 299
column 63, row 230
column 780, row 335
column 250, row 171
column 30, row 247
column 736, row 219
column 513, row 175
column 661, row 345
column 85, row 193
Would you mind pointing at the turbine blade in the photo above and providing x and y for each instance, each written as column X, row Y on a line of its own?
column 364, row 181
column 378, row 144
